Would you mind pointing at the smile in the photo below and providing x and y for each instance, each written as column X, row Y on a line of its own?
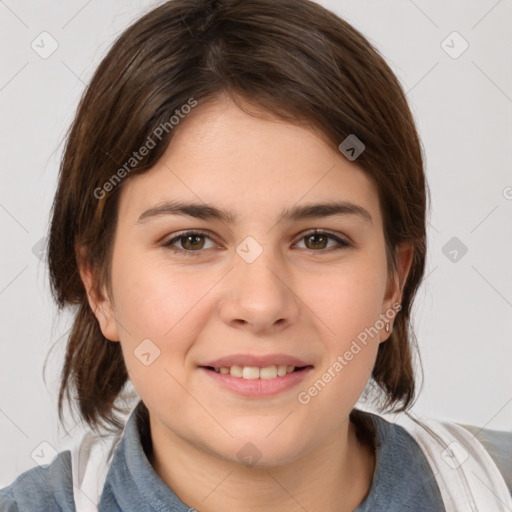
column 254, row 372
column 256, row 382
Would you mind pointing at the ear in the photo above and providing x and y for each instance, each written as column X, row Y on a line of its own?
column 99, row 301
column 396, row 283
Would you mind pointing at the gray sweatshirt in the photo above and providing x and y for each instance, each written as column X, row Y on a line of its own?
column 403, row 480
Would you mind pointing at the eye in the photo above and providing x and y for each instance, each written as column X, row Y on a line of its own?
column 192, row 242
column 318, row 239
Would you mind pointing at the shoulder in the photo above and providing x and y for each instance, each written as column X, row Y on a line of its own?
column 388, row 435
column 468, row 461
column 48, row 488
column 403, row 479
column 498, row 445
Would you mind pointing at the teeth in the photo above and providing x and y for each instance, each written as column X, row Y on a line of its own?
column 282, row 370
column 269, row 372
column 236, row 371
column 253, row 372
column 250, row 372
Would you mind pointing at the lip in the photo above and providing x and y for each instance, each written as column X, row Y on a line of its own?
column 257, row 388
column 261, row 361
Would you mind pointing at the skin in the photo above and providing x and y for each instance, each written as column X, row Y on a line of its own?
column 298, row 297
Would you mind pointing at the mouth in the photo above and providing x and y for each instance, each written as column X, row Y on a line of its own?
column 255, row 372
column 254, row 382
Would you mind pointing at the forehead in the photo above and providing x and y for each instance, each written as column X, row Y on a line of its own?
column 253, row 166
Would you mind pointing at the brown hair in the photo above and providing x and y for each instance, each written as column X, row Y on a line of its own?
column 296, row 60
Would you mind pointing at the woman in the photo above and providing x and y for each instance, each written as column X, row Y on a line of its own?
column 240, row 224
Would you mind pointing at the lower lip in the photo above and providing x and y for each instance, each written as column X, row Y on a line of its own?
column 260, row 388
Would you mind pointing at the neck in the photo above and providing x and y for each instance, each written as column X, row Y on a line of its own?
column 334, row 476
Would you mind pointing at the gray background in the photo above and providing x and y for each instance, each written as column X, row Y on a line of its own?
column 463, row 107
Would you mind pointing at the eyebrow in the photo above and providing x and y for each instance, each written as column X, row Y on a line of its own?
column 209, row 212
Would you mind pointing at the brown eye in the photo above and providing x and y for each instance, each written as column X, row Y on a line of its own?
column 319, row 240
column 190, row 243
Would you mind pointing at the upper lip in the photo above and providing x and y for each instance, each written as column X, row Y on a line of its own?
column 260, row 361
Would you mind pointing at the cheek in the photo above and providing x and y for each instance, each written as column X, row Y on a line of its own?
column 155, row 300
column 348, row 305
column 165, row 306
column 349, row 298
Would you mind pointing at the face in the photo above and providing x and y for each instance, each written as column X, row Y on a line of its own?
column 256, row 287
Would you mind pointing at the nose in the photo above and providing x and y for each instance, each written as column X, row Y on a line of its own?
column 259, row 296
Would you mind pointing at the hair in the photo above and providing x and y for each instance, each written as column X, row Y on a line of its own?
column 292, row 58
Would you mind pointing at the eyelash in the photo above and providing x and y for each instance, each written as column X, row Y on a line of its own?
column 168, row 245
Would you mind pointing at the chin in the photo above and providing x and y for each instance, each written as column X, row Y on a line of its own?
column 258, row 449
